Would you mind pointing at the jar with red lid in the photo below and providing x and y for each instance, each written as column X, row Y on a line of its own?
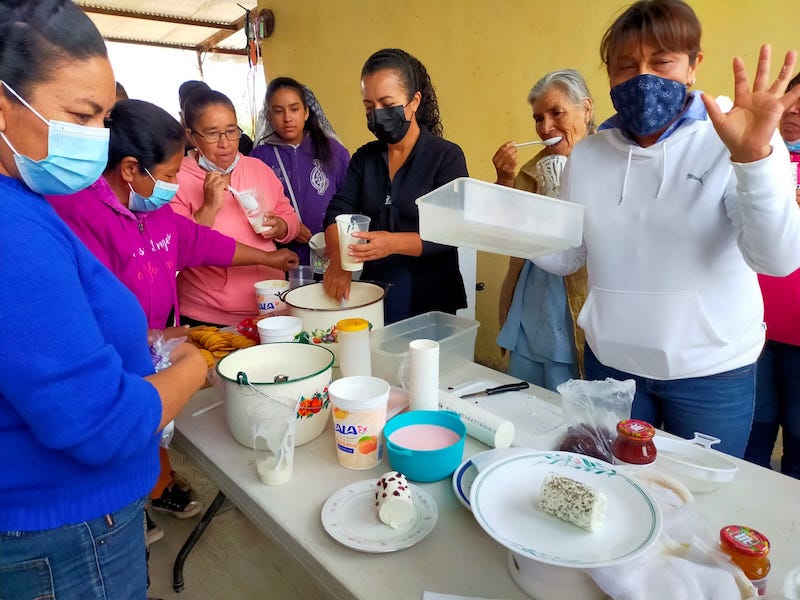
column 634, row 444
column 748, row 550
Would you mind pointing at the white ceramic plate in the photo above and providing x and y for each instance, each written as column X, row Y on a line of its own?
column 504, row 500
column 466, row 473
column 350, row 517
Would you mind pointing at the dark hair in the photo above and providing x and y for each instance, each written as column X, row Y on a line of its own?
column 320, row 140
column 120, row 92
column 36, row 38
column 671, row 24
column 187, row 88
column 793, row 82
column 144, row 131
column 201, row 99
column 414, row 78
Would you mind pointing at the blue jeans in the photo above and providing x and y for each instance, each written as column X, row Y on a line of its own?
column 101, row 559
column 777, row 405
column 720, row 405
column 540, row 371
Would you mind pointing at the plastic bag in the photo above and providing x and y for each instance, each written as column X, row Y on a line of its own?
column 684, row 564
column 160, row 350
column 592, row 410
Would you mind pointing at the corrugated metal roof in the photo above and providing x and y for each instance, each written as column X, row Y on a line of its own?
column 201, row 25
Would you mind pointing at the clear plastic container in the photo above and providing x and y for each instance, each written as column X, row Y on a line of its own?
column 456, row 337
column 475, row 214
column 354, row 350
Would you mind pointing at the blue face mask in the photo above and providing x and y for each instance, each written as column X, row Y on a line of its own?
column 793, row 147
column 648, row 103
column 207, row 165
column 163, row 192
column 76, row 156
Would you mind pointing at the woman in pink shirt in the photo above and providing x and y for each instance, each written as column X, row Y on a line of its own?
column 208, row 176
column 778, row 375
column 123, row 219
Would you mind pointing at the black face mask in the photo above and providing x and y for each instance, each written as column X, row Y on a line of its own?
column 388, row 124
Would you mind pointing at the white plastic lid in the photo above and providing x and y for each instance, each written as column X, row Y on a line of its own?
column 359, row 392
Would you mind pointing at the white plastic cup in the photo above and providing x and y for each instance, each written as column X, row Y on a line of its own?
column 358, row 406
column 302, row 275
column 423, row 374
column 548, row 174
column 282, row 328
column 348, row 225
column 268, row 296
column 352, row 337
column 319, row 252
column 250, row 203
column 272, row 428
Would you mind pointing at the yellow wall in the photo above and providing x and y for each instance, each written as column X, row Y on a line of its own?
column 483, row 57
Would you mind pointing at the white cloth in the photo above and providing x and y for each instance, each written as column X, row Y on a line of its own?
column 672, row 236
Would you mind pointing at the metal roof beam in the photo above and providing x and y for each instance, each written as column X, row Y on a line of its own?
column 211, row 41
column 232, row 27
column 193, row 48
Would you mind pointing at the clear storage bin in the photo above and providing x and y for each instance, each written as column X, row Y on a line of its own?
column 475, row 214
column 456, row 337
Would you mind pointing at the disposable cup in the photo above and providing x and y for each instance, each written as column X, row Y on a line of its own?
column 319, row 252
column 282, row 328
column 548, row 174
column 268, row 296
column 302, row 275
column 348, row 225
column 272, row 428
column 359, row 414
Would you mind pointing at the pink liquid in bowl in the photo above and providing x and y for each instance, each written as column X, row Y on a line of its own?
column 424, row 437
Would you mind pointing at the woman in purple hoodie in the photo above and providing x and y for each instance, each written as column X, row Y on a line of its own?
column 300, row 145
column 123, row 219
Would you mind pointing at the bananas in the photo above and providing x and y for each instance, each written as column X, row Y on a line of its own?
column 215, row 344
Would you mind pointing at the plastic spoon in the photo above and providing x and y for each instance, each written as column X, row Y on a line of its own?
column 548, row 142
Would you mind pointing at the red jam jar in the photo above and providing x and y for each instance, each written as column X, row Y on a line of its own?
column 634, row 444
column 748, row 550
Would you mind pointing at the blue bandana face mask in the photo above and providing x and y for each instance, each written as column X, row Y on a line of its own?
column 793, row 147
column 76, row 156
column 648, row 103
column 163, row 192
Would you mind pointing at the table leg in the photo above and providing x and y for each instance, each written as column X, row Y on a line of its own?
column 177, row 569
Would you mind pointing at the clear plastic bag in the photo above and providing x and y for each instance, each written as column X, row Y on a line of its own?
column 592, row 410
column 160, row 351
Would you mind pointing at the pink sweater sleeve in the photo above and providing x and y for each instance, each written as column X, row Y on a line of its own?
column 280, row 204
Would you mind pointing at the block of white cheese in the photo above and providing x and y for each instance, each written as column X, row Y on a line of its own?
column 573, row 501
column 393, row 500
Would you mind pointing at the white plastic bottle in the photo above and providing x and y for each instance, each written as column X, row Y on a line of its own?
column 352, row 336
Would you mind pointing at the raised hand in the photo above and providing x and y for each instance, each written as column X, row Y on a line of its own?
column 505, row 163
column 748, row 127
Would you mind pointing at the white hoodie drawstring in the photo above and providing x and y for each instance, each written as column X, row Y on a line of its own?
column 627, row 172
column 663, row 170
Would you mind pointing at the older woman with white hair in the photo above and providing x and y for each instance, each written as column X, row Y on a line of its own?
column 538, row 309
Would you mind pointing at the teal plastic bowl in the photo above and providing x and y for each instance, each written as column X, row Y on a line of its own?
column 425, row 465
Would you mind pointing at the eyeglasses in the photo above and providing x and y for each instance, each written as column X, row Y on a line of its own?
column 214, row 136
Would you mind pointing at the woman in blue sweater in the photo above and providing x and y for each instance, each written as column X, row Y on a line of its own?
column 80, row 406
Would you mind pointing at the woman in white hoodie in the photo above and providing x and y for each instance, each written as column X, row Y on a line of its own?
column 684, row 204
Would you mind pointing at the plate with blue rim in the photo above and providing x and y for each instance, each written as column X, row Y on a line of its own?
column 504, row 499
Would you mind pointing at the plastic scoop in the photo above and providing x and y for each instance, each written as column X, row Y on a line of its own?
column 548, row 142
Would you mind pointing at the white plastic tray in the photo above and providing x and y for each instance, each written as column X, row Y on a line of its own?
column 475, row 214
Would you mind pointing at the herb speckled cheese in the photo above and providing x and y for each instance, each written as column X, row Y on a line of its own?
column 573, row 501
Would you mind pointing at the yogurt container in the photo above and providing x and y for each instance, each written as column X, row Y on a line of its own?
column 268, row 296
column 358, row 405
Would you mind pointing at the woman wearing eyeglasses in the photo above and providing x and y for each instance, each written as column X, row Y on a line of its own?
column 215, row 295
